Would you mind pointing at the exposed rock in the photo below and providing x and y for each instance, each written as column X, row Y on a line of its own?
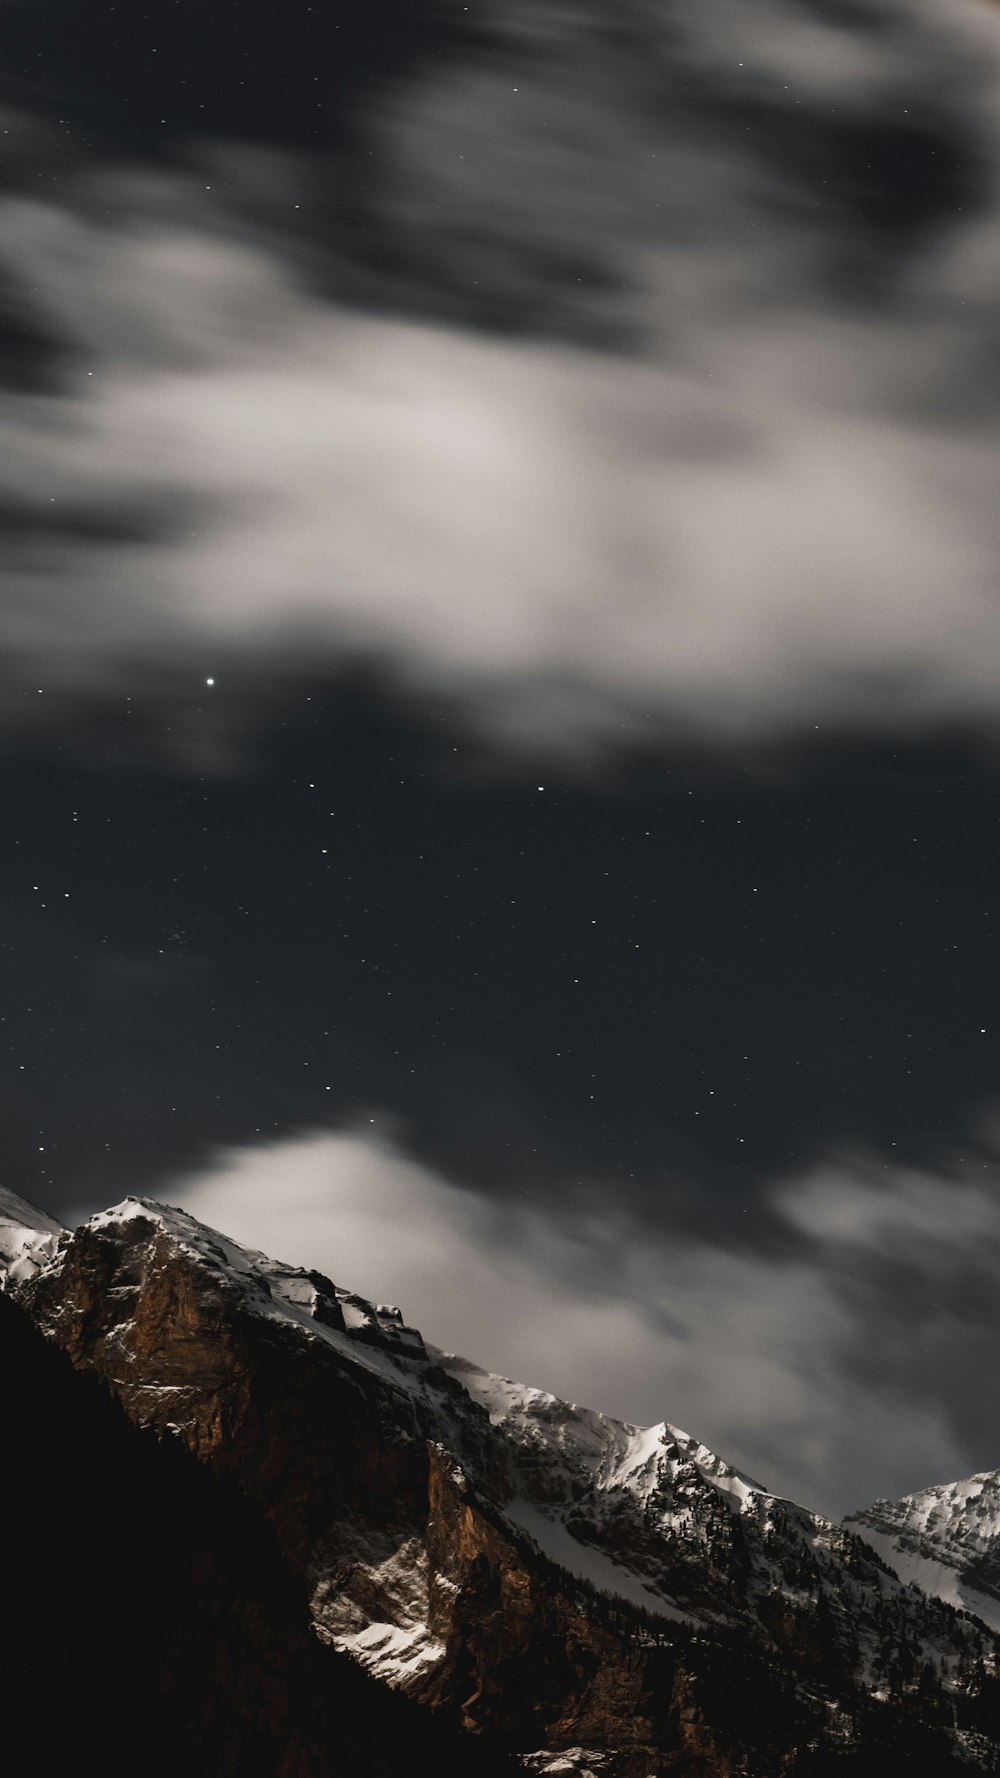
column 150, row 1624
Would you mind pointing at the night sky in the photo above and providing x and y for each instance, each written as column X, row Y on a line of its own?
column 500, row 682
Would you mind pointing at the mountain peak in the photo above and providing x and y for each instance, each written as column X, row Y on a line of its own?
column 273, row 1289
column 945, row 1539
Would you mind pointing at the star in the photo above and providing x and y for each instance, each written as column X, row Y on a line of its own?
column 210, row 682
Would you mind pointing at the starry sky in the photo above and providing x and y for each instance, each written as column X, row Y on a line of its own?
column 500, row 682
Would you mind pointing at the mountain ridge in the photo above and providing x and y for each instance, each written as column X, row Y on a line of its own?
column 528, row 1569
column 945, row 1538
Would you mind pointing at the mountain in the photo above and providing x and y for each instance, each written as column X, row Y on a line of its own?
column 563, row 1587
column 945, row 1539
column 149, row 1621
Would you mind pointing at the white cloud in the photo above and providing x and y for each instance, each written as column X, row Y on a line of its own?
column 495, row 517
column 902, row 1214
column 758, row 523
column 755, row 1354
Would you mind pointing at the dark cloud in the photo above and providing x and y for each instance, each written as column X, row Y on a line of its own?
column 886, row 184
column 26, row 522
column 32, row 357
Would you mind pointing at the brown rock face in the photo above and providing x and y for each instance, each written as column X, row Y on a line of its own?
column 150, row 1624
column 393, row 1499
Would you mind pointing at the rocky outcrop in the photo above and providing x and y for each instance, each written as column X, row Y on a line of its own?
column 555, row 1582
column 149, row 1623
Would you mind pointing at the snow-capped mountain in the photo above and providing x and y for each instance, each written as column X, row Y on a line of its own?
column 28, row 1238
column 945, row 1539
column 595, row 1595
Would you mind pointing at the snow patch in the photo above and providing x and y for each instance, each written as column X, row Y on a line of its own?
column 389, row 1632
column 938, row 1577
column 393, row 1654
column 569, row 1762
column 557, row 1542
column 29, row 1239
column 355, row 1316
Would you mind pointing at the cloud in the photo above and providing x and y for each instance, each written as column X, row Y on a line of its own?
column 765, row 500
column 841, row 1370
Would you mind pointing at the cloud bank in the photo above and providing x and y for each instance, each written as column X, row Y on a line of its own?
column 844, row 1367
column 760, row 496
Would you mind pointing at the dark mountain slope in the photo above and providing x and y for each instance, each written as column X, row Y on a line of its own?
column 148, row 1621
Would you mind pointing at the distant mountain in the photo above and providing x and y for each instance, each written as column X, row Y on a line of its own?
column 545, row 1582
column 945, row 1539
